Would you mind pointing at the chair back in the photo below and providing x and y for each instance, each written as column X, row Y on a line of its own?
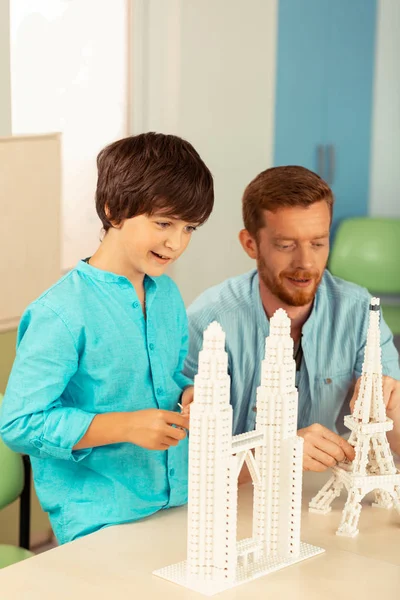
column 11, row 474
column 367, row 251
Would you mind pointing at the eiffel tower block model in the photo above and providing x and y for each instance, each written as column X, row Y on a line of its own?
column 373, row 468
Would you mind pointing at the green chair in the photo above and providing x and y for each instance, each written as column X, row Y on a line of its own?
column 15, row 483
column 367, row 251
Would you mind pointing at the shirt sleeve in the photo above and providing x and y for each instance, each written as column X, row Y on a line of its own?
column 390, row 356
column 195, row 345
column 35, row 419
column 182, row 380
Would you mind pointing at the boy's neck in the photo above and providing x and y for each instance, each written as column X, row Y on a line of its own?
column 110, row 257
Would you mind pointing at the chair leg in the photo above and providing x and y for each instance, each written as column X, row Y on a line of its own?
column 25, row 506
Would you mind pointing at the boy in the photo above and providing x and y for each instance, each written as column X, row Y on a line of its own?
column 93, row 392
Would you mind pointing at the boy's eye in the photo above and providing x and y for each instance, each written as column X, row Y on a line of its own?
column 190, row 228
column 163, row 224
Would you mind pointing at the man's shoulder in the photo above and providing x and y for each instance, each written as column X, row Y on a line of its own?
column 344, row 305
column 231, row 297
column 339, row 290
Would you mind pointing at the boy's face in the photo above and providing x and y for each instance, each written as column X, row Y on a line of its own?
column 151, row 243
column 292, row 251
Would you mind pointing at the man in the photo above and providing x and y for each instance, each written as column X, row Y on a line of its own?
column 287, row 213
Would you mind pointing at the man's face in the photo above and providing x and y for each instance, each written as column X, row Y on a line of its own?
column 292, row 251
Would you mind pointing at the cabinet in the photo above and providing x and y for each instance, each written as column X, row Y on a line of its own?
column 324, row 93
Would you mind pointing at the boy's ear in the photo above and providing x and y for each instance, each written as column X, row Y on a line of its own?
column 114, row 225
column 248, row 243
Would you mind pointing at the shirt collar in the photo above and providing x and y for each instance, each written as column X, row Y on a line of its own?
column 109, row 277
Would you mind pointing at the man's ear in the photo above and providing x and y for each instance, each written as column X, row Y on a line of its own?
column 249, row 243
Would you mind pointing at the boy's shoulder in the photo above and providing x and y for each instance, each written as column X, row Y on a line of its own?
column 232, row 296
column 68, row 289
column 64, row 298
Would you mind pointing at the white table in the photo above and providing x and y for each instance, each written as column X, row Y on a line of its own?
column 117, row 562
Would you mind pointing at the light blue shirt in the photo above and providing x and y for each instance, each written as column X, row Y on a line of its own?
column 85, row 348
column 333, row 340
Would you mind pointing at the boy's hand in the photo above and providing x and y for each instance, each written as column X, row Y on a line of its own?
column 186, row 400
column 323, row 448
column 152, row 428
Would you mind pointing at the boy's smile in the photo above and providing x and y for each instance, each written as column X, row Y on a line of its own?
column 161, row 259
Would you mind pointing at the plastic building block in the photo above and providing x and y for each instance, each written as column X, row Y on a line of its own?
column 373, row 467
column 274, row 454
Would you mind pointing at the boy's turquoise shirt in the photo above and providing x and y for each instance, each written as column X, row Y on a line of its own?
column 84, row 347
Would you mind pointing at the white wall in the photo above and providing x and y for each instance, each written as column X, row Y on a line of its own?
column 385, row 157
column 69, row 74
column 206, row 71
column 5, row 89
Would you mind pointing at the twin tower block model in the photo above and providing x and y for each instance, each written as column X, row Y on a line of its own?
column 273, row 452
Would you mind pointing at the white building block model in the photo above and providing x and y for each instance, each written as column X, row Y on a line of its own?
column 273, row 453
column 373, row 467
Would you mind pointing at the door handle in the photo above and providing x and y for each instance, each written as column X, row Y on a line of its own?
column 331, row 164
column 320, row 160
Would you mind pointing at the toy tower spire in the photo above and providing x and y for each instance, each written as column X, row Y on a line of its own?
column 369, row 406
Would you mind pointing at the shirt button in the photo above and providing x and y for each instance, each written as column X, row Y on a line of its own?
column 151, row 346
column 159, row 390
column 172, row 472
column 254, row 409
column 329, row 380
column 135, row 304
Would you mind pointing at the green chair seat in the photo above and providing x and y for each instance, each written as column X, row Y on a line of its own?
column 391, row 315
column 12, row 554
column 11, row 488
column 366, row 251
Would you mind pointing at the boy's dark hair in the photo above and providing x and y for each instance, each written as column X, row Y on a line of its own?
column 152, row 172
column 280, row 187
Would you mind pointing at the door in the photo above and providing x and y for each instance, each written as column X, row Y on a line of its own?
column 323, row 112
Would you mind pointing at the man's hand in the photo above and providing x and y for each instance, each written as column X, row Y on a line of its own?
column 323, row 448
column 153, row 428
column 186, row 400
column 391, row 395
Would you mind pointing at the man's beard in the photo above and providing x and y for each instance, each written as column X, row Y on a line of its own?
column 277, row 285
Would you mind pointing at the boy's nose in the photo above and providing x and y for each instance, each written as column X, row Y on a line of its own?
column 173, row 242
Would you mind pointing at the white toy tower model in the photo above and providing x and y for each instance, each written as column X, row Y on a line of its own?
column 277, row 499
column 215, row 559
column 212, row 468
column 373, row 467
